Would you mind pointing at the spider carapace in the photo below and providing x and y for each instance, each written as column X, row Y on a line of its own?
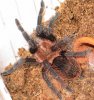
column 48, row 51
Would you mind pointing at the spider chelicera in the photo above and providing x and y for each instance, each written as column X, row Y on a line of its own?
column 48, row 51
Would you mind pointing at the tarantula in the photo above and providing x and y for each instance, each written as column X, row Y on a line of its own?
column 48, row 51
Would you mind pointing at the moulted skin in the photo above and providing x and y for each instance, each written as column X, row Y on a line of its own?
column 83, row 43
column 76, row 16
column 45, row 53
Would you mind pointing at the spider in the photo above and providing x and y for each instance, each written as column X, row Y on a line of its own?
column 48, row 51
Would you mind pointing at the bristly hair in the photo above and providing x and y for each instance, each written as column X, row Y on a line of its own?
column 33, row 50
column 50, row 37
column 45, row 33
column 60, row 62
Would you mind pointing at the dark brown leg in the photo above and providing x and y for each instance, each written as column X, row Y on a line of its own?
column 30, row 41
column 41, row 31
column 18, row 64
column 50, row 85
column 65, row 42
column 53, row 19
column 75, row 54
column 57, row 77
column 41, row 13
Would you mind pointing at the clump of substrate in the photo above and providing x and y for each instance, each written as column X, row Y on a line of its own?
column 76, row 16
column 26, row 83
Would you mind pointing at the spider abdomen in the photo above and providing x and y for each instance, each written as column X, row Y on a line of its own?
column 68, row 68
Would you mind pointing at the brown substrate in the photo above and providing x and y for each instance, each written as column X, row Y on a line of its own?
column 26, row 83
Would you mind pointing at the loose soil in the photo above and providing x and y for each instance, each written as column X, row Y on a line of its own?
column 26, row 83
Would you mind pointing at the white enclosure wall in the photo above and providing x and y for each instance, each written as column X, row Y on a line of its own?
column 10, row 37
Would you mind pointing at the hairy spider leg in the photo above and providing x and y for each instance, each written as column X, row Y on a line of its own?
column 63, row 42
column 19, row 63
column 41, row 13
column 15, row 66
column 75, row 54
column 57, row 77
column 30, row 41
column 50, row 85
column 53, row 19
column 41, row 31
